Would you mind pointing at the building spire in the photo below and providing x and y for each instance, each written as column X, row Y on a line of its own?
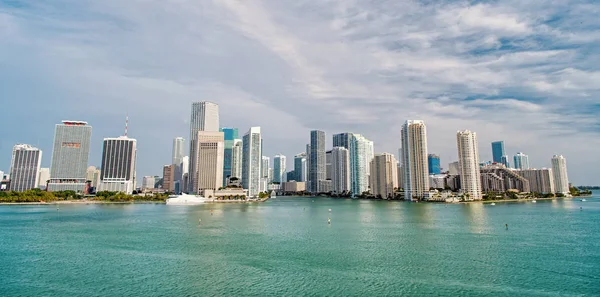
column 126, row 123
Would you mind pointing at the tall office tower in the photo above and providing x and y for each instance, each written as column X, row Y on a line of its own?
column 70, row 156
column 384, row 179
column 178, row 150
column 521, row 161
column 540, row 180
column 400, row 172
column 498, row 152
column 316, row 171
column 559, row 170
column 117, row 173
column 300, row 167
column 148, row 182
column 504, row 161
column 414, row 159
column 92, row 174
column 307, row 185
column 468, row 160
column 361, row 154
column 230, row 135
column 265, row 166
column 236, row 159
column 342, row 140
column 208, row 161
column 43, row 178
column 279, row 169
column 328, row 165
column 340, row 170
column 25, row 167
column 433, row 162
column 252, row 161
column 169, row 178
column 204, row 117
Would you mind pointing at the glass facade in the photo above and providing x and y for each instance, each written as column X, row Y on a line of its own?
column 433, row 164
column 498, row 151
column 230, row 135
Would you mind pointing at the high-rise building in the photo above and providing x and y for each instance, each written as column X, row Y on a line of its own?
column 230, row 135
column 265, row 167
column 414, row 159
column 521, row 161
column 290, row 176
column 433, row 162
column 92, row 174
column 279, row 169
column 342, row 140
column 178, row 150
column 236, row 159
column 540, row 180
column 25, row 167
column 300, row 167
column 148, row 182
column 361, row 154
column 43, row 178
column 317, row 170
column 498, row 178
column 169, row 178
column 468, row 160
column 307, row 182
column 70, row 156
column 340, row 169
column 204, row 117
column 251, row 161
column 383, row 175
column 454, row 168
column 559, row 170
column 498, row 152
column 117, row 173
column 328, row 165
column 504, row 161
column 208, row 161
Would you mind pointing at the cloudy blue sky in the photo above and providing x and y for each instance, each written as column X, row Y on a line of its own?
column 526, row 72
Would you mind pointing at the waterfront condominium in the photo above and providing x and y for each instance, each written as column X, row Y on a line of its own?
column 279, row 169
column 383, row 175
column 317, row 167
column 521, row 161
column 24, row 167
column 414, row 159
column 300, row 169
column 169, row 178
column 559, row 170
column 433, row 161
column 204, row 117
column 340, row 170
column 361, row 154
column 117, row 173
column 70, row 156
column 236, row 159
column 208, row 161
column 540, row 180
column 498, row 151
column 468, row 160
column 230, row 135
column 251, row 161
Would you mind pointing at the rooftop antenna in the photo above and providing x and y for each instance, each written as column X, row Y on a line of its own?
column 126, row 123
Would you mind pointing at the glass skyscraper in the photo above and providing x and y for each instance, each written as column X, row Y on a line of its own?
column 230, row 134
column 498, row 151
column 433, row 162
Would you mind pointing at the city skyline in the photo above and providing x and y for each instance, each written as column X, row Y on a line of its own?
column 471, row 74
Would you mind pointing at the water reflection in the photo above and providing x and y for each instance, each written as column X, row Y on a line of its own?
column 475, row 213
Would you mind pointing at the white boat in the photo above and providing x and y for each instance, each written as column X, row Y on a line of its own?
column 583, row 200
column 493, row 203
column 534, row 201
column 185, row 199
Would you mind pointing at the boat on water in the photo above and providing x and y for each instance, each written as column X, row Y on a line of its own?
column 534, row 201
column 583, row 200
column 185, row 199
column 493, row 203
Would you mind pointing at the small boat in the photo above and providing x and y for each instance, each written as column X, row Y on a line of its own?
column 493, row 203
column 533, row 201
column 583, row 200
column 185, row 199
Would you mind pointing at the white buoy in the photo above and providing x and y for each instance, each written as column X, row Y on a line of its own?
column 330, row 210
column 329, row 221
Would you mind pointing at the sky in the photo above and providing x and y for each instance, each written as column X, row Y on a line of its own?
column 526, row 72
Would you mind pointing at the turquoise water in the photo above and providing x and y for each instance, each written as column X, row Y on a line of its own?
column 285, row 247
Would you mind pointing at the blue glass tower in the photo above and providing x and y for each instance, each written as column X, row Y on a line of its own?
column 498, row 151
column 434, row 164
column 229, row 134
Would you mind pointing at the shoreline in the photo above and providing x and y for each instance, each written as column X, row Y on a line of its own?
column 86, row 202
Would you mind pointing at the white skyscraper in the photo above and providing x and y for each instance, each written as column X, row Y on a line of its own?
column 204, row 117
column 468, row 160
column 25, row 167
column 70, row 156
column 208, row 161
column 361, row 154
column 251, row 161
column 414, row 159
column 540, row 180
column 561, row 179
column 178, row 150
column 43, row 178
column 521, row 161
column 383, row 175
column 340, row 169
column 117, row 173
column 236, row 159
column 279, row 169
